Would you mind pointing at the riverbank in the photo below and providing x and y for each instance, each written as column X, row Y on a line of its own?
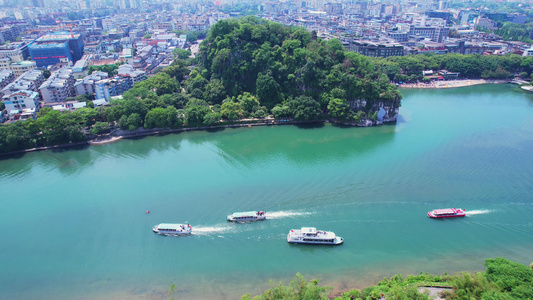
column 449, row 83
column 117, row 135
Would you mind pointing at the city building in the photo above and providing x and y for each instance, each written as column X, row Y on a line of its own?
column 376, row 49
column 49, row 49
column 22, row 67
column 115, row 86
column 136, row 75
column 434, row 33
column 30, row 81
column 80, row 68
column 58, row 87
column 399, row 36
column 86, row 86
column 484, row 23
column 6, row 77
column 21, row 100
column 15, row 51
column 5, row 63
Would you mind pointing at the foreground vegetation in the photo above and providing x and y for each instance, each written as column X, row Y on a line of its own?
column 502, row 280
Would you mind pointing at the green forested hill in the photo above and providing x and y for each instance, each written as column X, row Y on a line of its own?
column 280, row 64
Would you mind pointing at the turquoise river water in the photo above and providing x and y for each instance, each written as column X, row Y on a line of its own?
column 73, row 222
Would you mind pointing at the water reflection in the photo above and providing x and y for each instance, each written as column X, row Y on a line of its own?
column 142, row 147
column 300, row 145
column 71, row 160
column 303, row 145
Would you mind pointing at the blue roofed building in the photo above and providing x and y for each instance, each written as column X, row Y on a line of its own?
column 50, row 49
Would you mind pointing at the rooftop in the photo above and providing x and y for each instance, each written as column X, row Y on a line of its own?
column 58, row 36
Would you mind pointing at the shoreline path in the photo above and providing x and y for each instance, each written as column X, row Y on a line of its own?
column 449, row 83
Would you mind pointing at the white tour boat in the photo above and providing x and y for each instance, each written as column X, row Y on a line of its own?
column 309, row 235
column 172, row 229
column 247, row 216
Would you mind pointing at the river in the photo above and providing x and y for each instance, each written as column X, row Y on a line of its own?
column 73, row 222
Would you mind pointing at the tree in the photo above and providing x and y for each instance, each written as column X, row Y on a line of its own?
column 156, row 118
column 89, row 116
column 161, row 84
column 195, row 114
column 111, row 70
column 173, row 121
column 176, row 100
column 214, row 92
column 181, row 53
column 75, row 134
column 100, row 128
column 196, row 81
column 231, row 110
column 195, row 110
column 212, row 118
column 248, row 102
column 14, row 137
column 268, row 91
column 134, row 121
column 305, row 108
column 52, row 126
column 134, row 105
column 123, row 122
column 46, row 73
column 177, row 70
column 281, row 111
column 339, row 109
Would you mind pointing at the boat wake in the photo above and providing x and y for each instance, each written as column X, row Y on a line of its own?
column 208, row 230
column 477, row 212
column 285, row 214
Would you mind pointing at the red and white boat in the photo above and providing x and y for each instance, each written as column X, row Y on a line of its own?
column 447, row 213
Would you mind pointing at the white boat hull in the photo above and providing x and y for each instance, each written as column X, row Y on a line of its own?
column 338, row 241
column 251, row 216
column 309, row 235
column 174, row 230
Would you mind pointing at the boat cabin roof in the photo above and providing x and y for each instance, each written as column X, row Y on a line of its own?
column 309, row 230
column 171, row 226
column 245, row 214
column 444, row 211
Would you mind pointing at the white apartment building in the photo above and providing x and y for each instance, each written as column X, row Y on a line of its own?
column 6, row 77
column 21, row 100
column 58, row 87
column 30, row 81
column 86, row 86
column 136, row 75
column 22, row 67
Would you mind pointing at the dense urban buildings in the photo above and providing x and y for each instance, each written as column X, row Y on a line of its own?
column 74, row 38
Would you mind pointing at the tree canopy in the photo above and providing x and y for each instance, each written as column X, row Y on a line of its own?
column 277, row 63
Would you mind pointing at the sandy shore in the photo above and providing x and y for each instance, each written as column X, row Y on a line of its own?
column 101, row 140
column 449, row 83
